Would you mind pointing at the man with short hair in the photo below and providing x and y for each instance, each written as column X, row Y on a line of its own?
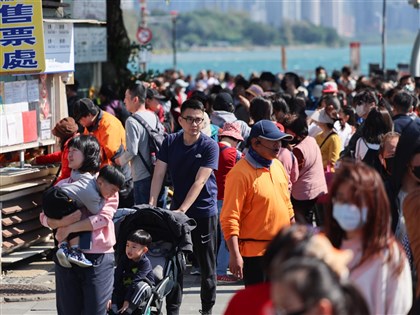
column 111, row 136
column 315, row 85
column 256, row 202
column 138, row 152
column 191, row 158
column 402, row 106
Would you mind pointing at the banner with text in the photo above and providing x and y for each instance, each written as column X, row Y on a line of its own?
column 21, row 37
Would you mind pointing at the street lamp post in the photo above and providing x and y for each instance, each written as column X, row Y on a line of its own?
column 174, row 15
column 383, row 35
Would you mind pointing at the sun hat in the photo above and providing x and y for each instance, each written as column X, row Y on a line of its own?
column 322, row 117
column 181, row 83
column 266, row 129
column 233, row 130
column 255, row 90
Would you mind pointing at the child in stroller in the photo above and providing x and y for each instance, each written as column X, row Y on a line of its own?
column 171, row 235
column 133, row 268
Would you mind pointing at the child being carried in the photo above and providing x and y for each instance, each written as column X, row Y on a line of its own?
column 85, row 191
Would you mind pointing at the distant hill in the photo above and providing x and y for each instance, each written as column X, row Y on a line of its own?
column 206, row 28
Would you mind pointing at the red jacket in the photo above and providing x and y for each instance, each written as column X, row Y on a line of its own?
column 254, row 299
column 56, row 157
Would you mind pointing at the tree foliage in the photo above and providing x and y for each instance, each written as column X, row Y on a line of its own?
column 212, row 28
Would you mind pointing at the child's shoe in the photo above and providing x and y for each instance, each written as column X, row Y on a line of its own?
column 78, row 258
column 63, row 255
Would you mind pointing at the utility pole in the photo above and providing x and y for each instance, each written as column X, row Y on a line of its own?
column 174, row 15
column 383, row 36
column 143, row 25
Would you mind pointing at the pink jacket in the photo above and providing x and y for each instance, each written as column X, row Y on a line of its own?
column 290, row 164
column 311, row 181
column 103, row 232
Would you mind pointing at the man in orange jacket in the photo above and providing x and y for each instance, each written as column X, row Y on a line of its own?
column 111, row 136
column 257, row 202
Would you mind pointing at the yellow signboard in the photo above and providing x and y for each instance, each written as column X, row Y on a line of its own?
column 21, row 37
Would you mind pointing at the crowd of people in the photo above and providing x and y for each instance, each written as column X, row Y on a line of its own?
column 305, row 190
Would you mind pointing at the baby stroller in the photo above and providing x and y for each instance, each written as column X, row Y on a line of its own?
column 171, row 235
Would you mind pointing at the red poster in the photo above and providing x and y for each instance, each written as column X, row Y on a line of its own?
column 30, row 128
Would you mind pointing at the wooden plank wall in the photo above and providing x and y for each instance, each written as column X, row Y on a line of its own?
column 20, row 222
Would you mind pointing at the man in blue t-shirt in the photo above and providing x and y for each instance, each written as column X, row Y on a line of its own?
column 191, row 158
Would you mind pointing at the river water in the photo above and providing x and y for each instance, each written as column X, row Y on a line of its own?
column 299, row 59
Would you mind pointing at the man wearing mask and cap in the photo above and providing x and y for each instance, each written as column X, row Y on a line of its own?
column 256, row 202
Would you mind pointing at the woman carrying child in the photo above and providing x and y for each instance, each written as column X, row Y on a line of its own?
column 86, row 290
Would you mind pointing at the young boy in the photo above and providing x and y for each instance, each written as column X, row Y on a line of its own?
column 132, row 268
column 86, row 191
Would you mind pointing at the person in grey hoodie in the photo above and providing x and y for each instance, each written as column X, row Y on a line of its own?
column 223, row 112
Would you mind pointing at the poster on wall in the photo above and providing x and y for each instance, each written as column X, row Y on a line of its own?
column 90, row 44
column 21, row 37
column 59, row 47
column 18, row 116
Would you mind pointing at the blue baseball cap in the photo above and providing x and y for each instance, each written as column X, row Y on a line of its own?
column 266, row 129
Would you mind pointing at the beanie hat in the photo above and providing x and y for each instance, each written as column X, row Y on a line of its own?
column 65, row 128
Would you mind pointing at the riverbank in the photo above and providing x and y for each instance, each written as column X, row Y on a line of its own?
column 300, row 59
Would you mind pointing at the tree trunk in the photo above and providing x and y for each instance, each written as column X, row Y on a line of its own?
column 115, row 70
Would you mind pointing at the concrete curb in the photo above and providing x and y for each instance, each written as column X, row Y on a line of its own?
column 28, row 298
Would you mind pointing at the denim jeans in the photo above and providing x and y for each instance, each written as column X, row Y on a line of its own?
column 142, row 191
column 223, row 253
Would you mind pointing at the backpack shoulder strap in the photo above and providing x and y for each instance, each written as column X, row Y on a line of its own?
column 143, row 123
column 325, row 140
column 149, row 133
column 238, row 153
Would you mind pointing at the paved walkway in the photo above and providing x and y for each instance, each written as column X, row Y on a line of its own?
column 38, row 279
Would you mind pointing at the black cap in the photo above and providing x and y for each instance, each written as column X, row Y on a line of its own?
column 223, row 101
column 152, row 93
column 84, row 107
column 266, row 129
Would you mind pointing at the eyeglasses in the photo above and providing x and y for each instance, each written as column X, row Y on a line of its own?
column 191, row 120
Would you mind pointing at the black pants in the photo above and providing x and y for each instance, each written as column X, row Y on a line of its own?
column 253, row 270
column 204, row 238
column 304, row 210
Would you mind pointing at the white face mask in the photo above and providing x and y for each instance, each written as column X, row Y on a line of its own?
column 361, row 110
column 349, row 216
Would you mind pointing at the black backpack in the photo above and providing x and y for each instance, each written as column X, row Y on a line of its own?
column 156, row 137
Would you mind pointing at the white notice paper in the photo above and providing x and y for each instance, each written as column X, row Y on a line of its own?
column 16, row 108
column 46, row 124
column 4, row 136
column 14, row 128
column 45, row 134
column 9, row 96
column 20, row 89
column 15, row 92
column 33, row 91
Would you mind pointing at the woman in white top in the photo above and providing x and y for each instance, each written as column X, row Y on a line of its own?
column 377, row 124
column 359, row 220
column 345, row 126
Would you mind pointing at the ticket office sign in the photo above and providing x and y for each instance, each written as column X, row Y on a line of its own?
column 21, row 37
